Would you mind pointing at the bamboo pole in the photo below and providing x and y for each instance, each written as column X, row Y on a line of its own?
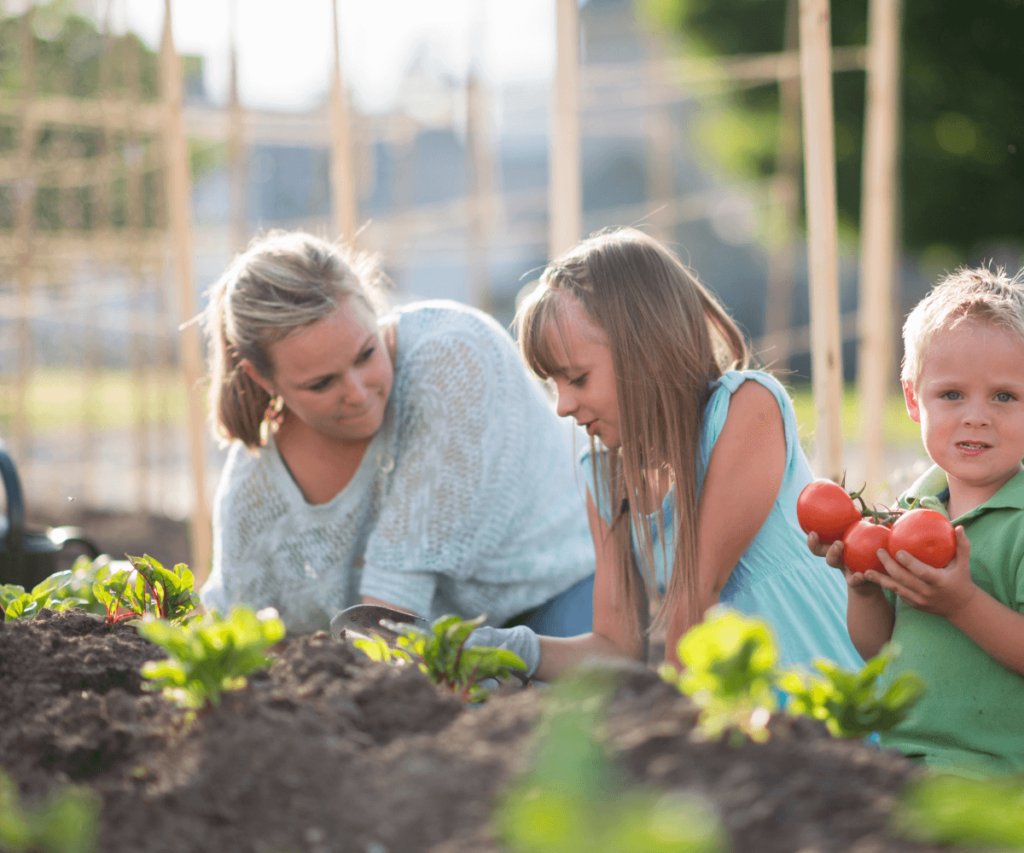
column 820, row 178
column 565, row 202
column 480, row 175
column 180, row 227
column 344, row 208
column 237, row 148
column 878, row 232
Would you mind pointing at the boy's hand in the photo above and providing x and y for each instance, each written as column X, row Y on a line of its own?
column 859, row 582
column 939, row 591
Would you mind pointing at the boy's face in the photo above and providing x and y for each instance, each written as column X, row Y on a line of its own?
column 969, row 400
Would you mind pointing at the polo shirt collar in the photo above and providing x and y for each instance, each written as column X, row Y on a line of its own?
column 933, row 482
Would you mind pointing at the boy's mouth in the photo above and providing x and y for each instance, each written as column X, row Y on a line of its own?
column 972, row 445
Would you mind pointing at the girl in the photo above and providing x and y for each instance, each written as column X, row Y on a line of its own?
column 694, row 465
column 406, row 459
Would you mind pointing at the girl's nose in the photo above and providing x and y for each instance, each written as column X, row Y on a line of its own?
column 565, row 403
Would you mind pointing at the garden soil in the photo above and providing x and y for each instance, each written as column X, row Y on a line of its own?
column 326, row 751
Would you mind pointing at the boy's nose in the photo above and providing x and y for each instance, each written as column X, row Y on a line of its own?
column 977, row 415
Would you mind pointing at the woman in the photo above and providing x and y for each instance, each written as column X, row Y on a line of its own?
column 694, row 467
column 408, row 460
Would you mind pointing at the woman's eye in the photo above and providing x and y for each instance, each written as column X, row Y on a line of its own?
column 320, row 384
column 366, row 355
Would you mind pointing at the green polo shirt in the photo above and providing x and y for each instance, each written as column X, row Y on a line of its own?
column 971, row 719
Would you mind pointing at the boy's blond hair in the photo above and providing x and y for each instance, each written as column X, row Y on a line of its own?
column 979, row 295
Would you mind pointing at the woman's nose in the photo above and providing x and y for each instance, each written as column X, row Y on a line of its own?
column 354, row 391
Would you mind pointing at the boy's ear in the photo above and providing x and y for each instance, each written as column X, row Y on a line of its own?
column 910, row 397
column 256, row 376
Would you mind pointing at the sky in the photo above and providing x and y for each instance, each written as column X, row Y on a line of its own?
column 286, row 46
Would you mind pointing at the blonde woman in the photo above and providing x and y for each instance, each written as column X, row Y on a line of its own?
column 694, row 463
column 406, row 459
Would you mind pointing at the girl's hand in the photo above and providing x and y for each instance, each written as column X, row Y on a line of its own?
column 857, row 581
column 942, row 592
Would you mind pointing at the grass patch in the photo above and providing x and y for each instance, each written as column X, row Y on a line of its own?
column 111, row 399
column 899, row 429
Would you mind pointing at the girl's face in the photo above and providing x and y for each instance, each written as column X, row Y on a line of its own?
column 584, row 378
column 334, row 375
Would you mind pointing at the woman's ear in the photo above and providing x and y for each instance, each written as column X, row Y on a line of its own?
column 257, row 377
column 910, row 398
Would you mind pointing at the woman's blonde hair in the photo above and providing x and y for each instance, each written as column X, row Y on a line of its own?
column 669, row 339
column 283, row 282
column 979, row 294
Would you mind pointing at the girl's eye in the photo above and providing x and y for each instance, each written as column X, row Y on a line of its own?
column 579, row 381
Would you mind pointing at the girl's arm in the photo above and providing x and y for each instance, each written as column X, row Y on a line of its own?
column 952, row 594
column 742, row 483
column 614, row 633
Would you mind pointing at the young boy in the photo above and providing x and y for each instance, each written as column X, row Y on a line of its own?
column 960, row 627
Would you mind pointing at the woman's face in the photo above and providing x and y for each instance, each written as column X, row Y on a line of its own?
column 334, row 375
column 584, row 377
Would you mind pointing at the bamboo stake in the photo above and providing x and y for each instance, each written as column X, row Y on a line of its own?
column 343, row 190
column 180, row 226
column 480, row 174
column 878, row 231
column 819, row 171
column 565, row 203
column 237, row 149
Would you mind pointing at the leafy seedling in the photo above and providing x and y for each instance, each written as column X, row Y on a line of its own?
column 963, row 812
column 67, row 822
column 729, row 672
column 443, row 655
column 16, row 603
column 575, row 800
column 209, row 655
column 851, row 703
column 147, row 589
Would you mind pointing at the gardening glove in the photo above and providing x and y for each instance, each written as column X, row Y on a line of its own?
column 521, row 640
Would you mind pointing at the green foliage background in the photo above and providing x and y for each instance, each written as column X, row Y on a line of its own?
column 962, row 160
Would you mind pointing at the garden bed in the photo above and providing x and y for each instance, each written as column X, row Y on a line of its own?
column 326, row 751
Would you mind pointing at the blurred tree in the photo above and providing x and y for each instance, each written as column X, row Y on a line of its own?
column 962, row 158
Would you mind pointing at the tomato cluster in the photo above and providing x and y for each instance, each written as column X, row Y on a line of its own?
column 826, row 508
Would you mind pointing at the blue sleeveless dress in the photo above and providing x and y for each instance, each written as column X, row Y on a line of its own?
column 777, row 578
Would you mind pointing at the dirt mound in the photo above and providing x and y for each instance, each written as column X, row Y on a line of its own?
column 326, row 751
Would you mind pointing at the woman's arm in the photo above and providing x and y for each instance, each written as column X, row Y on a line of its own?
column 614, row 633
column 741, row 485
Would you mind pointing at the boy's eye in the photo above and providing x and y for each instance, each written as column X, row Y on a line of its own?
column 1005, row 397
column 951, row 395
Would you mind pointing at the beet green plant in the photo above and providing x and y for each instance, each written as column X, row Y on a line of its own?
column 17, row 603
column 850, row 703
column 575, row 800
column 442, row 653
column 64, row 823
column 974, row 813
column 147, row 588
column 729, row 672
column 209, row 655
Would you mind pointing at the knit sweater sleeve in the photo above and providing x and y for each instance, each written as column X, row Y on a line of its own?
column 444, row 437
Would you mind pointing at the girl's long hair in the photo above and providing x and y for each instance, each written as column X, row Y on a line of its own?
column 285, row 281
column 669, row 339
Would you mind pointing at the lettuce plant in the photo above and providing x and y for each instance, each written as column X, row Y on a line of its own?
column 729, row 672
column 962, row 812
column 442, row 654
column 17, row 603
column 850, row 703
column 65, row 823
column 209, row 655
column 574, row 800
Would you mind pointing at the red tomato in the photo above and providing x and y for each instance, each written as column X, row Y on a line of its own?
column 861, row 543
column 825, row 508
column 925, row 534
